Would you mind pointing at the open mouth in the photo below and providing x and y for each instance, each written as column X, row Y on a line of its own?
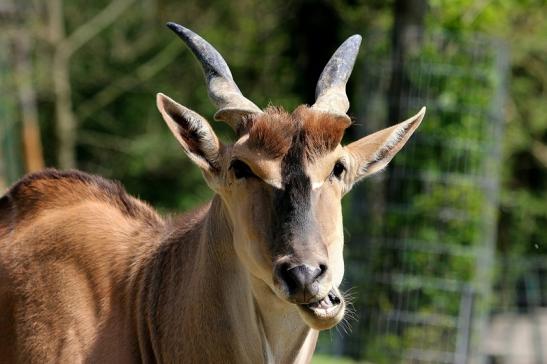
column 327, row 307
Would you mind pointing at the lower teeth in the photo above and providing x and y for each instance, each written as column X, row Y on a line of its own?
column 328, row 302
column 333, row 298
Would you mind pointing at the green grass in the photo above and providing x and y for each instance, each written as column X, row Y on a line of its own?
column 326, row 359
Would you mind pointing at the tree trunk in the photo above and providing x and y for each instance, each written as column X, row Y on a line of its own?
column 32, row 144
column 406, row 37
column 312, row 25
column 65, row 121
column 2, row 173
column 64, row 49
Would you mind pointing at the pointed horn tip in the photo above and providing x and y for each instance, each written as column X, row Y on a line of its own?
column 354, row 41
column 173, row 26
column 179, row 30
column 356, row 38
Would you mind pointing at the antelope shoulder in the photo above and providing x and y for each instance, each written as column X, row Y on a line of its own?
column 68, row 241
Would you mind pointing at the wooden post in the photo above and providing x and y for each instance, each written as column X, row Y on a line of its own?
column 32, row 144
column 406, row 37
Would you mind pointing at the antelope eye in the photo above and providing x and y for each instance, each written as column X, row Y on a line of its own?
column 241, row 170
column 338, row 170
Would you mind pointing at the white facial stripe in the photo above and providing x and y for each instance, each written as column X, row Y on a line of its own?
column 243, row 139
column 317, row 184
column 275, row 183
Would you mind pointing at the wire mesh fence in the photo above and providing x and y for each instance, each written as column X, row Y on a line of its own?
column 421, row 243
column 517, row 326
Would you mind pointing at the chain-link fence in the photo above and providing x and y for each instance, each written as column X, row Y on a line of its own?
column 421, row 234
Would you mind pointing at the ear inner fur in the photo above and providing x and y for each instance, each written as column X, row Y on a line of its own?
column 192, row 131
column 375, row 151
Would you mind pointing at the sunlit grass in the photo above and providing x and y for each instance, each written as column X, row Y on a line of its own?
column 326, row 359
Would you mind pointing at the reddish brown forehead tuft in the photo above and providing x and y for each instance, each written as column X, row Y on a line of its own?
column 274, row 131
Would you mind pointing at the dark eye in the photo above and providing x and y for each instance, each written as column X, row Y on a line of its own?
column 241, row 170
column 338, row 169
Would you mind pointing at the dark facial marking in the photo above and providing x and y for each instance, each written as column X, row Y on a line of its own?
column 292, row 203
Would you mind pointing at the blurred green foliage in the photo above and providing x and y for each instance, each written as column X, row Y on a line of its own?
column 522, row 221
column 276, row 50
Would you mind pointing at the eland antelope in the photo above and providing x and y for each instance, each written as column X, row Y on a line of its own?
column 91, row 274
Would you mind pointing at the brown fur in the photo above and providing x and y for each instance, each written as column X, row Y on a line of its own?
column 66, row 241
column 90, row 274
column 272, row 132
column 52, row 189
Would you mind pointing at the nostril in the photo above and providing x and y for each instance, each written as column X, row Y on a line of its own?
column 323, row 268
column 288, row 277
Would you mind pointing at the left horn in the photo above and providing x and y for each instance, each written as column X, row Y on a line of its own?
column 330, row 93
column 223, row 91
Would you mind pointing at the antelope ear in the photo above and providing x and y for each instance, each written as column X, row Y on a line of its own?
column 372, row 153
column 192, row 131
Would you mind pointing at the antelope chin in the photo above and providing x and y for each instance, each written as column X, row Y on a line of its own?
column 324, row 313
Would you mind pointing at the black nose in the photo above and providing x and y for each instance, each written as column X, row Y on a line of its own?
column 302, row 280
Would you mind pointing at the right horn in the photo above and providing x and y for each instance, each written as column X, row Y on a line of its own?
column 330, row 93
column 223, row 91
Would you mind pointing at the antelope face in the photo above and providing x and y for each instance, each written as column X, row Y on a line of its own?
column 283, row 179
column 283, row 188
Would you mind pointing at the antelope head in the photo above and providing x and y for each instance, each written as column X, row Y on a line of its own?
column 283, row 179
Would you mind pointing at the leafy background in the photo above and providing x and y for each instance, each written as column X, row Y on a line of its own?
column 122, row 55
